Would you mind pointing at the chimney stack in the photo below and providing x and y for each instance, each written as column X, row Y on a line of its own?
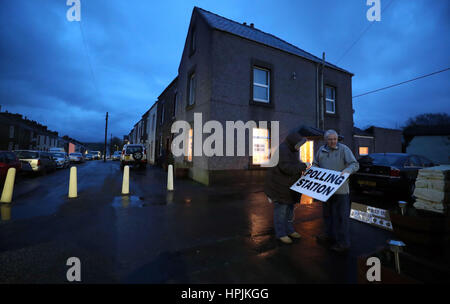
column 252, row 25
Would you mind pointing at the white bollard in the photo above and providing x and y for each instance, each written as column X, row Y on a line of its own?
column 170, row 178
column 126, row 180
column 8, row 188
column 73, row 182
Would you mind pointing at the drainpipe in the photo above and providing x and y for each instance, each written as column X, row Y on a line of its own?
column 322, row 97
column 317, row 98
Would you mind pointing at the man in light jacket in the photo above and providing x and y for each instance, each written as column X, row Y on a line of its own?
column 338, row 157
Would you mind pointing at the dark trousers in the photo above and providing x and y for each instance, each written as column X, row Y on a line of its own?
column 336, row 212
column 283, row 219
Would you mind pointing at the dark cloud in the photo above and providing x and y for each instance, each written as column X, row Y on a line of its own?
column 134, row 49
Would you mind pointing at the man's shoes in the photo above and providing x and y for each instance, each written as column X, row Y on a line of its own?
column 339, row 249
column 285, row 240
column 295, row 235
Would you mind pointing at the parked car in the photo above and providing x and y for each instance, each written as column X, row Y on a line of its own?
column 88, row 156
column 8, row 160
column 393, row 173
column 36, row 161
column 96, row 154
column 62, row 159
column 134, row 155
column 76, row 157
column 116, row 155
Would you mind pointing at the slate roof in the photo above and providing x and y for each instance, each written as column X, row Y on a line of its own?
column 358, row 131
column 223, row 24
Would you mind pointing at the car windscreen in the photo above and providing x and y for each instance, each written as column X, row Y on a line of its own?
column 27, row 154
column 384, row 159
column 75, row 154
column 61, row 155
column 133, row 149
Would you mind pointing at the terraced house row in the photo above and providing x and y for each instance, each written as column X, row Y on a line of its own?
column 232, row 71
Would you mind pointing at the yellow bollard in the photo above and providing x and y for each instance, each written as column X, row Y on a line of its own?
column 5, row 210
column 126, row 181
column 73, row 182
column 170, row 178
column 8, row 188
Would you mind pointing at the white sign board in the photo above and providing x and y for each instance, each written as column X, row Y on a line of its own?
column 371, row 215
column 320, row 183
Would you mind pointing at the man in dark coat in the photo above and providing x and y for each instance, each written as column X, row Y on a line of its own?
column 279, row 179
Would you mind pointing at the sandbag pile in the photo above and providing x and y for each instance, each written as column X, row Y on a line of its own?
column 432, row 189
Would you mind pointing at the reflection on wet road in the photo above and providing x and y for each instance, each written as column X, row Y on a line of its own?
column 195, row 234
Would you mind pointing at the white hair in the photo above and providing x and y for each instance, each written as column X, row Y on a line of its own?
column 328, row 133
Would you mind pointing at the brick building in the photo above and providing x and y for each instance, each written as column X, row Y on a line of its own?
column 235, row 72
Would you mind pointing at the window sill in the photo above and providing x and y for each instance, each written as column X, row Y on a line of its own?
column 262, row 104
column 331, row 115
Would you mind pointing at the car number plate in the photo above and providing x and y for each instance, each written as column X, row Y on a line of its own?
column 127, row 158
column 367, row 183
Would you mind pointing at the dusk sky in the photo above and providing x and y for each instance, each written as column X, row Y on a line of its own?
column 135, row 47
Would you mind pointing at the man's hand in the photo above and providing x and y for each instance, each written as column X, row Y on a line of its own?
column 308, row 165
column 344, row 171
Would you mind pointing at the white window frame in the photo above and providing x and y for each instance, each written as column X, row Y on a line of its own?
column 261, row 85
column 333, row 101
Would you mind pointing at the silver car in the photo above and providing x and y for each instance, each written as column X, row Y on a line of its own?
column 76, row 157
column 36, row 161
column 61, row 159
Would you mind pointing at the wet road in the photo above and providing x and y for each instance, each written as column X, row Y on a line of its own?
column 196, row 234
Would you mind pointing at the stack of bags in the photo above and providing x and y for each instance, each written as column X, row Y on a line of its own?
column 432, row 190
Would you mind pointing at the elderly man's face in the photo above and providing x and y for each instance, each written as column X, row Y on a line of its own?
column 332, row 140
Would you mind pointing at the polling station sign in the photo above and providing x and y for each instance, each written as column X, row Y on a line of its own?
column 320, row 183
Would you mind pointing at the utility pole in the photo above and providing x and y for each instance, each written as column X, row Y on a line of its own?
column 110, row 146
column 106, row 134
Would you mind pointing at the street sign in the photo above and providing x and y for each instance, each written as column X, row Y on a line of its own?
column 320, row 183
column 371, row 215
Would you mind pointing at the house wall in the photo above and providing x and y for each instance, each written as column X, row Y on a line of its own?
column 200, row 62
column 360, row 141
column 151, row 126
column 223, row 64
column 387, row 140
column 435, row 148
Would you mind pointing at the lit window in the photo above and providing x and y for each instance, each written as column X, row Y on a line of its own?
column 189, row 146
column 363, row 150
column 261, row 85
column 330, row 100
column 307, row 152
column 307, row 155
column 261, row 151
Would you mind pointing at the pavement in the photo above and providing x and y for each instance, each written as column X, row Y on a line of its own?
column 195, row 234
